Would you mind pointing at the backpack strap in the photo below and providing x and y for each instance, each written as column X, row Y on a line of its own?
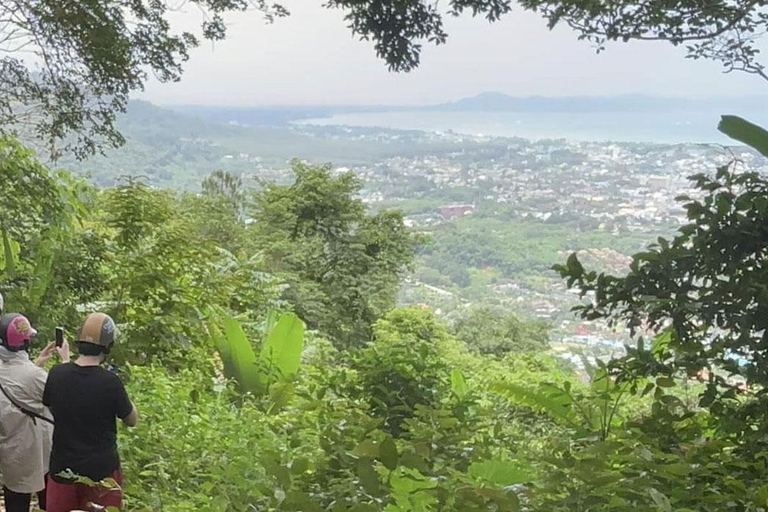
column 32, row 414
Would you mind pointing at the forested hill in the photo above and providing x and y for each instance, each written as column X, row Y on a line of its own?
column 176, row 149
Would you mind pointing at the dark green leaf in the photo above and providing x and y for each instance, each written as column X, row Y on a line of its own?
column 742, row 130
column 388, row 453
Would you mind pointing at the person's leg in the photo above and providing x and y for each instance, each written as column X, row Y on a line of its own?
column 16, row 501
column 41, row 501
column 60, row 497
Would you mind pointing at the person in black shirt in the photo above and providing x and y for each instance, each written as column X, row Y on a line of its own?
column 86, row 400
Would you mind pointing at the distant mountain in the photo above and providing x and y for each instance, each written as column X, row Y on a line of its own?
column 278, row 116
column 494, row 102
column 176, row 149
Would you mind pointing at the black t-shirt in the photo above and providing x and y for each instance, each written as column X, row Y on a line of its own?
column 85, row 402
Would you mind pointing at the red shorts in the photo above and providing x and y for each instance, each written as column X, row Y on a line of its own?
column 68, row 497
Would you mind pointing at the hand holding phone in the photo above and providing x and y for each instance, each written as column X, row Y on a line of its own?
column 62, row 345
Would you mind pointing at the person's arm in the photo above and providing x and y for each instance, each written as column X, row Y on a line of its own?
column 49, row 350
column 63, row 351
column 46, row 354
column 133, row 417
column 124, row 408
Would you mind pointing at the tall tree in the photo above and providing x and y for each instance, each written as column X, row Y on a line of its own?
column 723, row 30
column 40, row 209
column 87, row 56
column 494, row 331
column 224, row 183
column 342, row 264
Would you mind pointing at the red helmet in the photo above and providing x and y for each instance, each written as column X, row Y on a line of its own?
column 16, row 332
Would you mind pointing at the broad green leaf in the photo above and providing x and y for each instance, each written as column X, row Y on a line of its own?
column 284, row 345
column 601, row 381
column 369, row 479
column 742, row 130
column 574, row 266
column 43, row 274
column 222, row 346
column 237, row 354
column 367, row 448
column 500, row 472
column 10, row 253
column 411, row 491
column 271, row 321
column 661, row 342
column 388, row 453
column 243, row 356
column 549, row 400
column 459, row 384
column 661, row 501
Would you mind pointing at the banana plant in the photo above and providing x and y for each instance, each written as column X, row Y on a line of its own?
column 9, row 255
column 743, row 131
column 269, row 372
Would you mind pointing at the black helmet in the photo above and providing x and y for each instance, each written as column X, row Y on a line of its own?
column 98, row 329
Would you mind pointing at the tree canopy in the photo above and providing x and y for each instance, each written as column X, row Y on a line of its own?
column 343, row 266
column 67, row 67
column 722, row 30
column 703, row 294
column 87, row 57
column 493, row 331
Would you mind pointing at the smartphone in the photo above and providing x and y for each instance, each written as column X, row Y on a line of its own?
column 59, row 336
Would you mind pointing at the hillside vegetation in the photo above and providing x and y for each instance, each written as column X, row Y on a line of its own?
column 260, row 338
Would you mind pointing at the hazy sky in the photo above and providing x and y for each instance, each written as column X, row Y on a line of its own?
column 311, row 58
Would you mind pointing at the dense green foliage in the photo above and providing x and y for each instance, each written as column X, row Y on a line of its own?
column 722, row 30
column 94, row 55
column 513, row 248
column 494, row 331
column 705, row 288
column 260, row 336
column 378, row 408
column 705, row 292
column 342, row 266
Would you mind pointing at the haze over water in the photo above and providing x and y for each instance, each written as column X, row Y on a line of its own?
column 656, row 127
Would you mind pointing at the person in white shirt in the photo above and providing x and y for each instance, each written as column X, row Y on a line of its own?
column 25, row 423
